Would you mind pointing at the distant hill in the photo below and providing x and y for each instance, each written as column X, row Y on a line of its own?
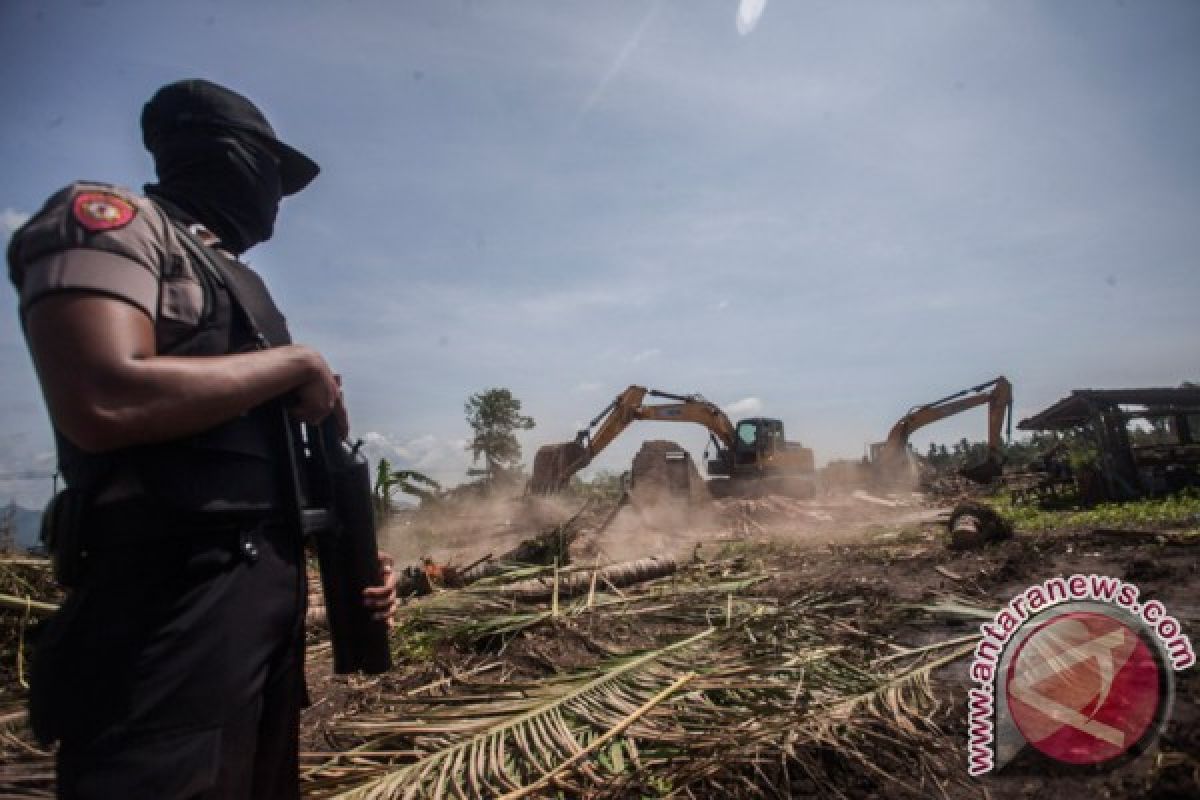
column 28, row 523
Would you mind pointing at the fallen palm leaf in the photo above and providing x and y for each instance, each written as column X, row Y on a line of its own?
column 509, row 755
column 954, row 607
column 773, row 699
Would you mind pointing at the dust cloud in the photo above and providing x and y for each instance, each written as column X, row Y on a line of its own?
column 464, row 529
column 667, row 509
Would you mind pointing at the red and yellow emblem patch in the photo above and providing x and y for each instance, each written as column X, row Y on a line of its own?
column 103, row 211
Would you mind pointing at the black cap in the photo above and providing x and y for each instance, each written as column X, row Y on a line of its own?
column 184, row 104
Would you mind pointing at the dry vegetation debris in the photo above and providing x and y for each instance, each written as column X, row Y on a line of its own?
column 685, row 685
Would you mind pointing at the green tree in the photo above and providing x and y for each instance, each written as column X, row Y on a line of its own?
column 494, row 416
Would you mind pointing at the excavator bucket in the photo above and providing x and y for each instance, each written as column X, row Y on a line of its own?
column 554, row 465
column 983, row 472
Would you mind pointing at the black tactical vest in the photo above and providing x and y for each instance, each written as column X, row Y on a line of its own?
column 236, row 466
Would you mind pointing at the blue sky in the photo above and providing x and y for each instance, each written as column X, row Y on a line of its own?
column 849, row 209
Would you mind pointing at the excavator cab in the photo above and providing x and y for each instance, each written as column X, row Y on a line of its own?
column 756, row 439
column 747, row 443
column 750, row 437
column 760, row 457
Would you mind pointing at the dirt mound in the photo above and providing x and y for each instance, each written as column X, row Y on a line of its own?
column 664, row 472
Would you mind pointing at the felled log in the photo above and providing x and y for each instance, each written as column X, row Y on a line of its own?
column 628, row 573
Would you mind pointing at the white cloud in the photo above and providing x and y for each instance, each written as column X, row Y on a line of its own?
column 748, row 14
column 721, row 306
column 444, row 460
column 588, row 386
column 747, row 405
column 645, row 355
column 11, row 219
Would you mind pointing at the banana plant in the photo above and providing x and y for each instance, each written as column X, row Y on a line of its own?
column 408, row 481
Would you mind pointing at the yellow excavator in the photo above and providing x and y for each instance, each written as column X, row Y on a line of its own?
column 890, row 457
column 751, row 454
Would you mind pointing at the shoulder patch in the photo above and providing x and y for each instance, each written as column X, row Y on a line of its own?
column 102, row 211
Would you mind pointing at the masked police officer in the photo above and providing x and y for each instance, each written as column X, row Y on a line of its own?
column 175, row 668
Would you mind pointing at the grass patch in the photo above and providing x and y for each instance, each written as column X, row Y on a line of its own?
column 1177, row 510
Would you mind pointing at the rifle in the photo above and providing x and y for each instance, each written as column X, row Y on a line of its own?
column 340, row 514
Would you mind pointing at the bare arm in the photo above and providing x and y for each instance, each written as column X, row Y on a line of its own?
column 106, row 387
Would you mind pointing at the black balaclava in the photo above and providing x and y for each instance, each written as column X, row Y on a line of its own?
column 219, row 161
column 224, row 178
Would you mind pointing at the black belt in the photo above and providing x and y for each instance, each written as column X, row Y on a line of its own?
column 138, row 523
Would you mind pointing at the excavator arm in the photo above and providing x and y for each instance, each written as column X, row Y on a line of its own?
column 689, row 409
column 996, row 394
column 612, row 421
column 554, row 464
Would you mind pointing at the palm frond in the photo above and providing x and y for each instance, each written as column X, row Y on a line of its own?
column 512, row 745
column 784, row 694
